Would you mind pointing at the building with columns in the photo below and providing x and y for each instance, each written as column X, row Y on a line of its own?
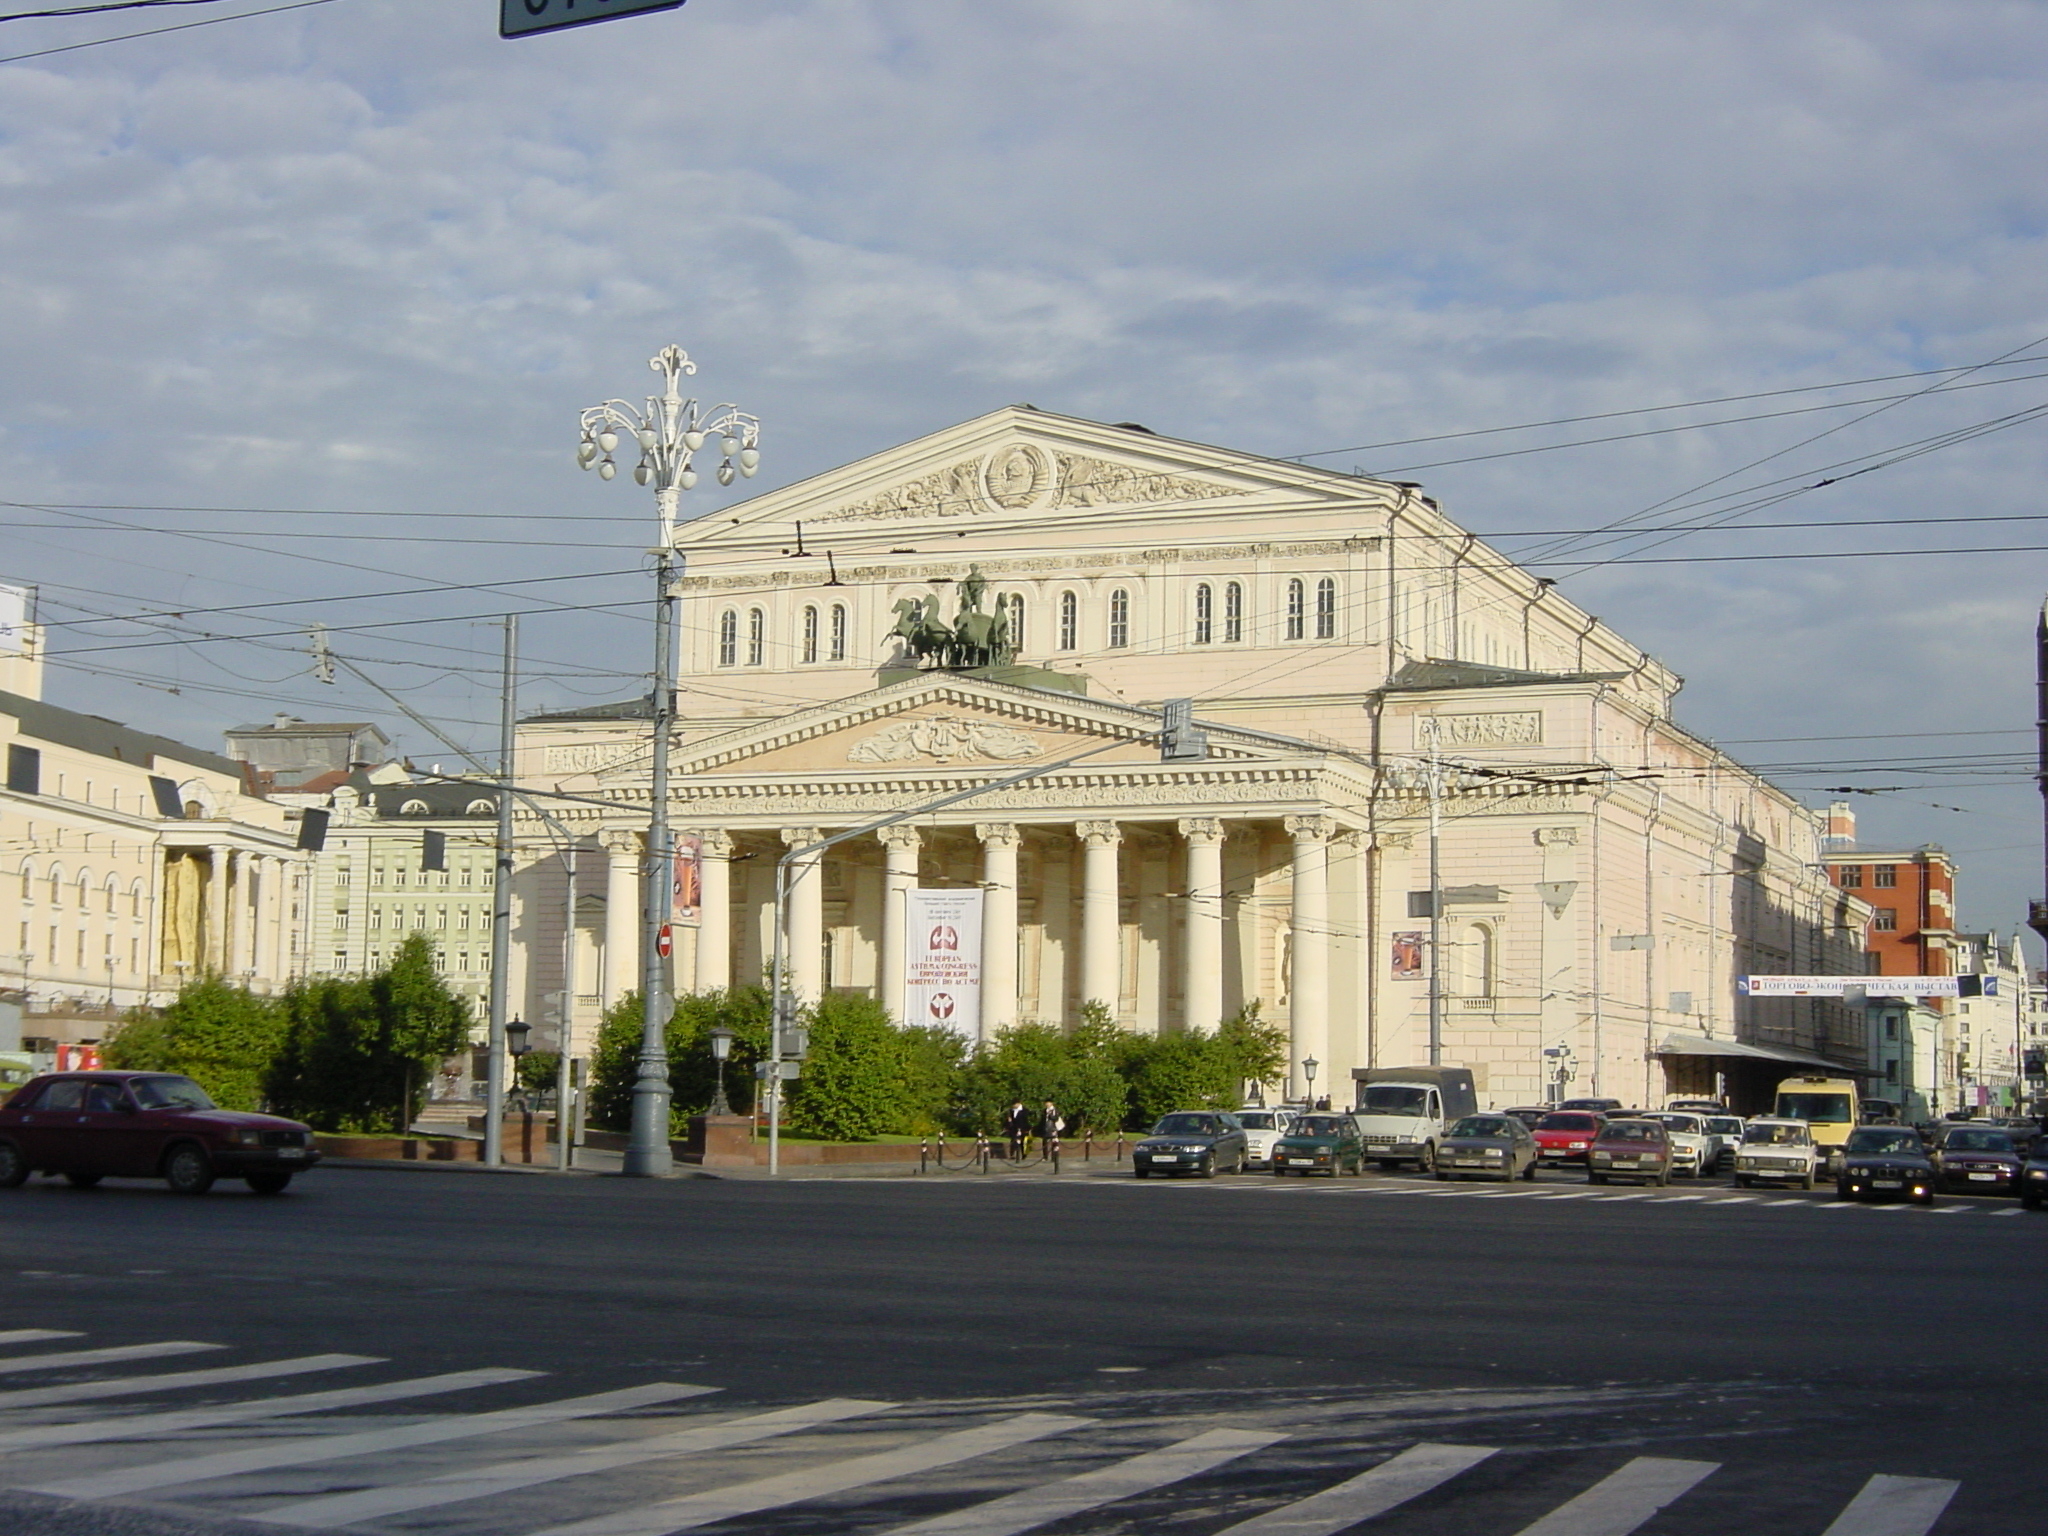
column 132, row 863
column 1360, row 667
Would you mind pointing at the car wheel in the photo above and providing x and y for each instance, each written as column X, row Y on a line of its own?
column 1812, row 1179
column 1427, row 1162
column 188, row 1170
column 1143, row 1173
column 83, row 1180
column 1243, row 1164
column 14, row 1169
column 1843, row 1191
column 1208, row 1167
column 1529, row 1173
column 270, row 1181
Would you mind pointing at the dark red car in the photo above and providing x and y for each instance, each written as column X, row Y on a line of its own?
column 1976, row 1160
column 1566, row 1136
column 90, row 1126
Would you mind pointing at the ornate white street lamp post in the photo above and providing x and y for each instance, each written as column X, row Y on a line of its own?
column 669, row 433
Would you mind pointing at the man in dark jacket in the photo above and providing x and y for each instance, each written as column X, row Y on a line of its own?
column 1017, row 1126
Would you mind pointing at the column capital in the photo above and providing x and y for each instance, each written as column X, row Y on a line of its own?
column 904, row 839
column 1397, row 841
column 802, row 837
column 620, row 841
column 1099, row 834
column 1205, row 830
column 998, row 834
column 715, row 841
column 1309, row 828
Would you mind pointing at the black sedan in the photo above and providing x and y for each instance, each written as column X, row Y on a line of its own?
column 1885, row 1162
column 1976, row 1160
column 1206, row 1142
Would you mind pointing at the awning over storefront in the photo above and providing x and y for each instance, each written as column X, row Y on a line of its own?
column 1707, row 1045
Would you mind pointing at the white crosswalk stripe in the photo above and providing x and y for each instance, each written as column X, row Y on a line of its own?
column 1394, row 1481
column 1029, row 1508
column 170, row 1381
column 480, row 1482
column 299, row 1453
column 699, row 1509
column 72, row 1358
column 1895, row 1506
column 1623, row 1500
column 34, row 1335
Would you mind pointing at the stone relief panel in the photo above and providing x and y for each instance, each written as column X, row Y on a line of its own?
column 1506, row 728
column 1024, row 477
column 588, row 757
column 945, row 739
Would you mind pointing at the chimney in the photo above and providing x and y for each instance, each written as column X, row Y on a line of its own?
column 1841, row 832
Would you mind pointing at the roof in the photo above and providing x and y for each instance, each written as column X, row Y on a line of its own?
column 1430, row 676
column 1707, row 1045
column 107, row 738
column 641, row 708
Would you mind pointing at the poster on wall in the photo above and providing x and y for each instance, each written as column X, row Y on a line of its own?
column 942, row 960
column 686, row 881
column 1407, row 954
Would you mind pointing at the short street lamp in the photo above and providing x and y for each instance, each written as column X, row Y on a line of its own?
column 1308, row 1070
column 516, row 1042
column 669, row 434
column 721, row 1047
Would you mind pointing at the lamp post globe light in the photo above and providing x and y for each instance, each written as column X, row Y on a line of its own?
column 1308, row 1069
column 669, row 433
column 721, row 1047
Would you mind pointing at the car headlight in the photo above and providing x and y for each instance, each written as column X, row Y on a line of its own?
column 2037, row 1173
column 1577, row 1146
column 1601, row 1157
column 248, row 1138
column 1495, row 1152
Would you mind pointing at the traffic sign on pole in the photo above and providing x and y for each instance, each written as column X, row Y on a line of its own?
column 521, row 18
column 665, row 941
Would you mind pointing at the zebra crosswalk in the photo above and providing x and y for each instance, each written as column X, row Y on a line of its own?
column 663, row 1457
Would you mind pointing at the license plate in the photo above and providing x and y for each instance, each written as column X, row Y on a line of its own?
column 1986, row 1177
column 1165, row 1157
column 1624, row 1162
column 1887, row 1183
column 291, row 1151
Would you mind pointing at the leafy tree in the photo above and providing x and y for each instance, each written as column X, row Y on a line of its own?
column 1036, row 1062
column 538, row 1070
column 1256, row 1049
column 867, row 1077
column 221, row 1036
column 692, row 1071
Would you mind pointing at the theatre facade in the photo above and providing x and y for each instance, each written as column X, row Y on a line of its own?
column 1360, row 669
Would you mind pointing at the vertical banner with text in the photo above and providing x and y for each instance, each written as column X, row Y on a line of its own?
column 942, row 960
column 686, row 879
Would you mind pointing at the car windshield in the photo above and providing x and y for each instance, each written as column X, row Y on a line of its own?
column 1392, row 1099
column 1687, row 1123
column 1978, row 1141
column 169, row 1093
column 1569, row 1122
column 1632, row 1130
column 1188, row 1125
column 1321, row 1125
column 1884, row 1141
column 1725, row 1127
column 1258, row 1120
column 1828, row 1108
column 1482, row 1125
column 1776, row 1136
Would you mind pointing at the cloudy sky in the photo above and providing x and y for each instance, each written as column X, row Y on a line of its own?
column 303, row 306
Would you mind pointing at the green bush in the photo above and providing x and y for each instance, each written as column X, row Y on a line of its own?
column 1036, row 1062
column 222, row 1037
column 866, row 1077
column 692, row 1071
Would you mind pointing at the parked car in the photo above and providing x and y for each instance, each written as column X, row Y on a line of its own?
column 1566, row 1135
column 1693, row 1150
column 1729, row 1129
column 1881, row 1161
column 90, row 1126
column 1263, row 1127
column 1528, row 1114
column 1320, row 1143
column 1496, row 1146
column 1597, row 1106
column 1880, row 1112
column 1203, row 1141
column 2024, row 1133
column 1976, row 1160
column 1638, row 1150
column 2034, row 1176
column 1777, row 1151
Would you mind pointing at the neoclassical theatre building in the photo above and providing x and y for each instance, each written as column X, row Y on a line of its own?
column 1352, row 655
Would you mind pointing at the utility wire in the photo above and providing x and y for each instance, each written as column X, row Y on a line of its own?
column 183, row 26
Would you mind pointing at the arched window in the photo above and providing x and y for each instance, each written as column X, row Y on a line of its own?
column 481, row 808
column 135, row 899
column 1119, row 619
column 1475, row 962
column 1297, row 610
column 1070, row 621
column 84, row 891
column 839, row 631
column 1233, row 613
column 1205, row 614
column 1326, row 608
column 112, row 893
column 56, row 885
column 729, row 638
column 757, row 637
column 810, row 646
column 28, row 882
column 413, row 808
column 1013, row 607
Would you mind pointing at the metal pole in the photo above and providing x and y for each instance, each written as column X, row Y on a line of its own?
column 563, row 1155
column 1436, row 897
column 648, row 1154
column 501, row 908
column 779, row 982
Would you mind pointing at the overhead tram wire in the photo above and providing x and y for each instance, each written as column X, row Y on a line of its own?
column 184, row 26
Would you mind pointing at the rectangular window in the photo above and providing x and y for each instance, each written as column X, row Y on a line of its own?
column 419, row 917
column 81, row 951
column 24, row 769
column 135, row 955
column 810, row 645
column 1119, row 619
column 377, row 876
column 376, row 917
column 1885, row 876
column 468, row 875
column 1070, row 621
column 1886, row 921
column 1297, row 610
column 1852, row 877
column 463, row 960
column 1326, row 609
column 53, row 946
column 441, row 918
column 341, row 922
column 341, row 959
column 1205, row 603
column 462, row 919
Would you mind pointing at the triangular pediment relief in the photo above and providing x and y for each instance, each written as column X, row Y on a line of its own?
column 1019, row 464
column 948, row 722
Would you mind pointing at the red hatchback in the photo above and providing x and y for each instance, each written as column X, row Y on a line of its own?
column 1566, row 1135
column 90, row 1126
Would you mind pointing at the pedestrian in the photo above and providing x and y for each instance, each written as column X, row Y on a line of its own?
column 1017, row 1126
column 1050, row 1124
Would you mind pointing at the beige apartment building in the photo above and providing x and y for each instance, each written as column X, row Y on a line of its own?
column 1353, row 657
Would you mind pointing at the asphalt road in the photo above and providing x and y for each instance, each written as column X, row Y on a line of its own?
column 1683, row 1362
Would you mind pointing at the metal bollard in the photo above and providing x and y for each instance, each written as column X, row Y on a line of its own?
column 923, row 1152
column 1055, row 1147
column 1119, row 1146
column 942, row 1151
column 981, row 1151
column 1087, row 1146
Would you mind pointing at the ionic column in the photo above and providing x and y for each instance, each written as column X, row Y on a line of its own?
column 714, row 919
column 1202, row 985
column 236, row 897
column 216, row 945
column 1102, row 978
column 1308, row 997
column 267, row 872
column 805, row 918
column 900, row 848
column 998, row 925
column 621, row 913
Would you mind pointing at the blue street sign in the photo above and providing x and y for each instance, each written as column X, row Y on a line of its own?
column 519, row 18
